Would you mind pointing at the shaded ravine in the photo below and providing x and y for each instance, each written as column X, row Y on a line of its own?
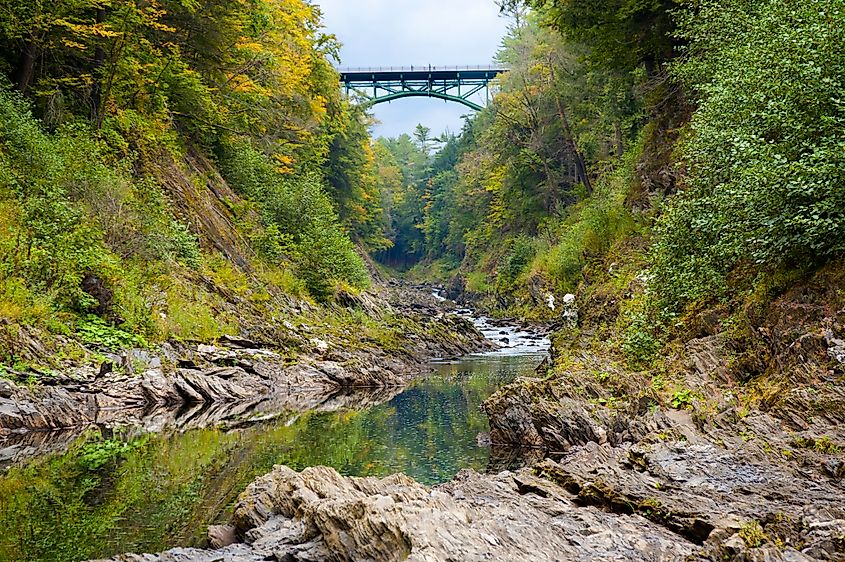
column 148, row 488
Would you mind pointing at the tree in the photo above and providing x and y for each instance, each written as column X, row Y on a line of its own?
column 763, row 153
column 622, row 34
column 423, row 137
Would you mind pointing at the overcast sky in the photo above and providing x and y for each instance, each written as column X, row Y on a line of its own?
column 415, row 32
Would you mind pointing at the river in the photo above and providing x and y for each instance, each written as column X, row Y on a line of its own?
column 127, row 490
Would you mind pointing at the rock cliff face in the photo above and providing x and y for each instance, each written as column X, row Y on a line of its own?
column 738, row 448
column 318, row 515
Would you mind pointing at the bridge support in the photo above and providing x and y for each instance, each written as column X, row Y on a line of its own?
column 450, row 84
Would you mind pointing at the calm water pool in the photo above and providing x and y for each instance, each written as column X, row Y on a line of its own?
column 119, row 491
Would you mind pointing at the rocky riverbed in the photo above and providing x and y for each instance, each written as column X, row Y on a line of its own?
column 708, row 475
column 619, row 473
column 672, row 499
column 318, row 515
column 744, row 467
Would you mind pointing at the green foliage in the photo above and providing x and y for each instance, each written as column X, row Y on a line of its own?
column 823, row 444
column 826, row 446
column 121, row 86
column 70, row 213
column 405, row 172
column 590, row 228
column 639, row 343
column 46, row 239
column 752, row 534
column 476, row 282
column 518, row 258
column 93, row 330
column 620, row 33
column 353, row 181
column 764, row 152
column 97, row 454
column 299, row 219
column 682, row 399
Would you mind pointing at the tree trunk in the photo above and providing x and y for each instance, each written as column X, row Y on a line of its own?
column 97, row 88
column 27, row 66
column 620, row 148
column 580, row 164
column 550, row 199
column 651, row 67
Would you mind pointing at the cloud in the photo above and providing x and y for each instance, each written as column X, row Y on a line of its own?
column 418, row 32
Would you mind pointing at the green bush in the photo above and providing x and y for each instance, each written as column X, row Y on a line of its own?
column 591, row 228
column 300, row 221
column 639, row 343
column 93, row 330
column 516, row 261
column 54, row 246
column 765, row 151
column 69, row 211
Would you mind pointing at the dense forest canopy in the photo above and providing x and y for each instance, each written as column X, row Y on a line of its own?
column 118, row 117
column 709, row 132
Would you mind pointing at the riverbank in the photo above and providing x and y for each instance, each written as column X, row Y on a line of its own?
column 153, row 479
column 236, row 378
column 732, row 437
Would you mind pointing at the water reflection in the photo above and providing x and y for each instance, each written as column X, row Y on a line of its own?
column 129, row 490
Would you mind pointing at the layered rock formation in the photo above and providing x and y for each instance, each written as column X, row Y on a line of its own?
column 318, row 515
column 737, row 446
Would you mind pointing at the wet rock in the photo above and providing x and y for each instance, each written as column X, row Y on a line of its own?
column 19, row 446
column 551, row 415
column 43, row 409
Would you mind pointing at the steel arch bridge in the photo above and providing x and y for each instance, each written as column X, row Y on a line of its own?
column 457, row 84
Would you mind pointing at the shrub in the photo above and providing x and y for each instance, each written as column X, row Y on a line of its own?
column 299, row 220
column 70, row 212
column 518, row 258
column 55, row 247
column 591, row 228
column 639, row 344
column 764, row 158
column 93, row 330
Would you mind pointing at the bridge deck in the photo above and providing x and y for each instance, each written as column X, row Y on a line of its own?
column 415, row 74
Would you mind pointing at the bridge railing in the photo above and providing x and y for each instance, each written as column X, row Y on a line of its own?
column 420, row 68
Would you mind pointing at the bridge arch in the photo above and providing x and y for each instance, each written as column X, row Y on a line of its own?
column 398, row 95
column 455, row 84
